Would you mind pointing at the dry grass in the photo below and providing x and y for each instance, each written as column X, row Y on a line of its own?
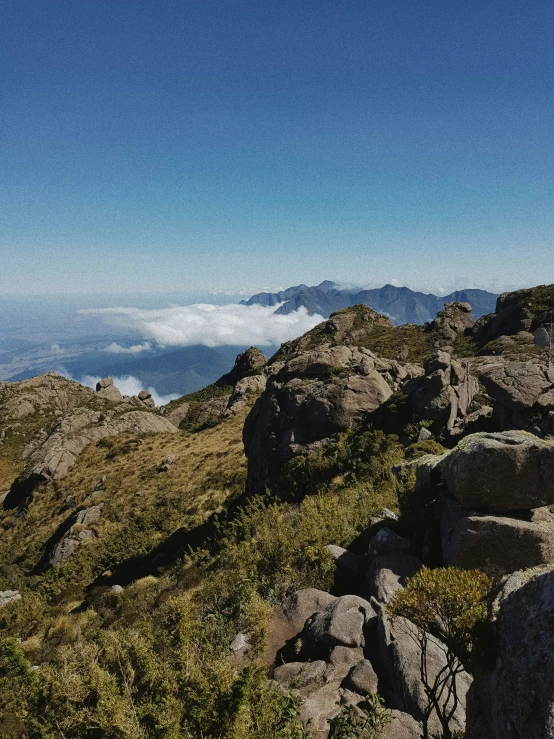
column 209, row 466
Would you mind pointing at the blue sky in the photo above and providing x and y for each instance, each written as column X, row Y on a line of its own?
column 162, row 145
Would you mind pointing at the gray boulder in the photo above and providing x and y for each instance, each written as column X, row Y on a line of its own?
column 341, row 660
column 401, row 657
column 342, row 623
column 319, row 708
column 305, row 603
column 387, row 574
column 516, row 698
column 402, row 726
column 349, row 567
column 506, row 471
column 496, row 545
column 306, row 676
column 362, row 679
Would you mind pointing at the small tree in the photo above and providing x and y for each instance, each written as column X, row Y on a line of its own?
column 448, row 603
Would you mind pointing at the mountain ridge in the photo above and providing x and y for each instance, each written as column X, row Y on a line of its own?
column 401, row 304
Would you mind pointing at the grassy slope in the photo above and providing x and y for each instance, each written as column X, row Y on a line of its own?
column 142, row 506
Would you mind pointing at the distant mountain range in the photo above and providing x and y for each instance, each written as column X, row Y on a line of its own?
column 401, row 304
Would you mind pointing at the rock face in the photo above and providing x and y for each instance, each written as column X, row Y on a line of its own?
column 496, row 545
column 521, row 310
column 55, row 455
column 250, row 362
column 402, row 658
column 454, row 320
column 516, row 698
column 444, row 393
column 310, row 398
column 21, row 399
column 73, row 533
column 501, row 472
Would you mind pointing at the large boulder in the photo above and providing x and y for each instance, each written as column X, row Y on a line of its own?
column 496, row 545
column 515, row 699
column 506, row 471
column 402, row 660
column 342, row 623
column 517, row 385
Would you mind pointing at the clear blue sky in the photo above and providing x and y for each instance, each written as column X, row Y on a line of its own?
column 226, row 144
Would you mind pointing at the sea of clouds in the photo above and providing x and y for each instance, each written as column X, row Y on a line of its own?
column 207, row 324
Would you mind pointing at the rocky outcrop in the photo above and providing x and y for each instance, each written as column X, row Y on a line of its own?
column 108, row 390
column 515, row 699
column 444, row 393
column 56, row 454
column 72, row 534
column 402, row 660
column 496, row 545
column 309, row 399
column 455, row 320
column 46, row 393
column 501, row 472
column 250, row 362
column 522, row 310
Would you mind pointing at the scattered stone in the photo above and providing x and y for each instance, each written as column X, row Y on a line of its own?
column 9, row 596
column 166, row 463
column 239, row 642
column 116, row 589
column 424, row 434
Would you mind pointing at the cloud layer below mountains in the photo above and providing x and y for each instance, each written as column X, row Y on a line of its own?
column 210, row 325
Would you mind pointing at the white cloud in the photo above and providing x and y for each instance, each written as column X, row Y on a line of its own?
column 212, row 325
column 115, row 348
column 129, row 385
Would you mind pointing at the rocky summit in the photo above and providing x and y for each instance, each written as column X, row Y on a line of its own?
column 351, row 539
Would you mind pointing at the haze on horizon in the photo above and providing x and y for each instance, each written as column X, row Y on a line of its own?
column 172, row 145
